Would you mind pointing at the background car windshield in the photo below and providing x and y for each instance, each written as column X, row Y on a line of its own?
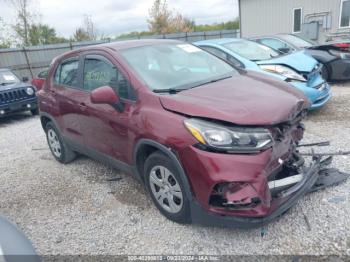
column 7, row 78
column 251, row 50
column 297, row 41
column 177, row 66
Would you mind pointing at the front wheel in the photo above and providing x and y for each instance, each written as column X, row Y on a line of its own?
column 166, row 188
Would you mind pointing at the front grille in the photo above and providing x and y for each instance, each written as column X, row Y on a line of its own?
column 14, row 95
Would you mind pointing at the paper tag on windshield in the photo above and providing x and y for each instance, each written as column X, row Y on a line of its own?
column 9, row 77
column 189, row 48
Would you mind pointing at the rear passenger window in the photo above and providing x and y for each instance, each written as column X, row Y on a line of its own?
column 67, row 73
column 98, row 72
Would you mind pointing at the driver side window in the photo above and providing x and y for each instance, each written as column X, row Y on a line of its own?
column 98, row 72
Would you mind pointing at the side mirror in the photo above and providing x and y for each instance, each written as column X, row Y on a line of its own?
column 25, row 79
column 104, row 95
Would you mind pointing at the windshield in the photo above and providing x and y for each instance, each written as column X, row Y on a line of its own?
column 8, row 78
column 251, row 50
column 175, row 66
column 297, row 41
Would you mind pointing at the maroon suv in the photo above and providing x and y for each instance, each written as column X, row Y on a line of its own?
column 211, row 144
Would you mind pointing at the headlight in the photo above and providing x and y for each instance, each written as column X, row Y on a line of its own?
column 30, row 91
column 229, row 139
column 283, row 70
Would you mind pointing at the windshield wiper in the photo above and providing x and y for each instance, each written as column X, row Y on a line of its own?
column 177, row 90
column 211, row 81
column 5, row 84
column 169, row 90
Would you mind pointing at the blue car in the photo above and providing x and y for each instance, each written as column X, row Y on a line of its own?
column 299, row 69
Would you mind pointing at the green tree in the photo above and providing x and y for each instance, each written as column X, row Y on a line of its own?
column 5, row 41
column 24, row 19
column 230, row 25
column 41, row 34
column 80, row 34
column 162, row 20
column 86, row 32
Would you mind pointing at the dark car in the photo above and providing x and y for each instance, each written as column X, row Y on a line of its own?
column 39, row 80
column 335, row 56
column 15, row 95
column 211, row 144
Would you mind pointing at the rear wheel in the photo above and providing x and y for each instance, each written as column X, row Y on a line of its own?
column 325, row 73
column 166, row 188
column 58, row 147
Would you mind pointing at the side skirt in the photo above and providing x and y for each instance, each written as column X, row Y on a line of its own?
column 103, row 158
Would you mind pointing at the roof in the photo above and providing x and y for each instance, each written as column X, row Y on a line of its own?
column 119, row 45
column 220, row 41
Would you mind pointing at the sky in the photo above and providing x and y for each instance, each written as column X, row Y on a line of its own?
column 114, row 17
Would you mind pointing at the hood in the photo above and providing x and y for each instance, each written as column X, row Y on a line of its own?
column 299, row 61
column 249, row 99
column 14, row 86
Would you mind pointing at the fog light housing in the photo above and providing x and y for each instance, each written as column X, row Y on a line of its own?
column 234, row 196
column 29, row 105
column 2, row 112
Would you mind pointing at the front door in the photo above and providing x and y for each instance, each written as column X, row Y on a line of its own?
column 106, row 129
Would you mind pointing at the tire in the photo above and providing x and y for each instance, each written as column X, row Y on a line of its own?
column 168, row 192
column 58, row 147
column 35, row 111
column 325, row 73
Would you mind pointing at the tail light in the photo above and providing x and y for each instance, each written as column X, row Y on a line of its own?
column 343, row 46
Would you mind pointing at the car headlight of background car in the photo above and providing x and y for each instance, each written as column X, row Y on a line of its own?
column 229, row 139
column 283, row 70
column 30, row 91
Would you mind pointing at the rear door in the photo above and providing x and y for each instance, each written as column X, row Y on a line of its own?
column 67, row 94
column 106, row 130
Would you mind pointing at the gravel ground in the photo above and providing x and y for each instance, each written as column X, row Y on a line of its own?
column 77, row 209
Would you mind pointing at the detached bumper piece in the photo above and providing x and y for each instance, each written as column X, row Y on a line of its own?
column 329, row 177
column 287, row 190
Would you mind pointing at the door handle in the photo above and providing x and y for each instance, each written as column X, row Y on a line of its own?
column 83, row 106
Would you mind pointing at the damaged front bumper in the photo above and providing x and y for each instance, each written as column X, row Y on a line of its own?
column 315, row 177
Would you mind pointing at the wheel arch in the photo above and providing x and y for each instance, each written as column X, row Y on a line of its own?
column 46, row 118
column 145, row 147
